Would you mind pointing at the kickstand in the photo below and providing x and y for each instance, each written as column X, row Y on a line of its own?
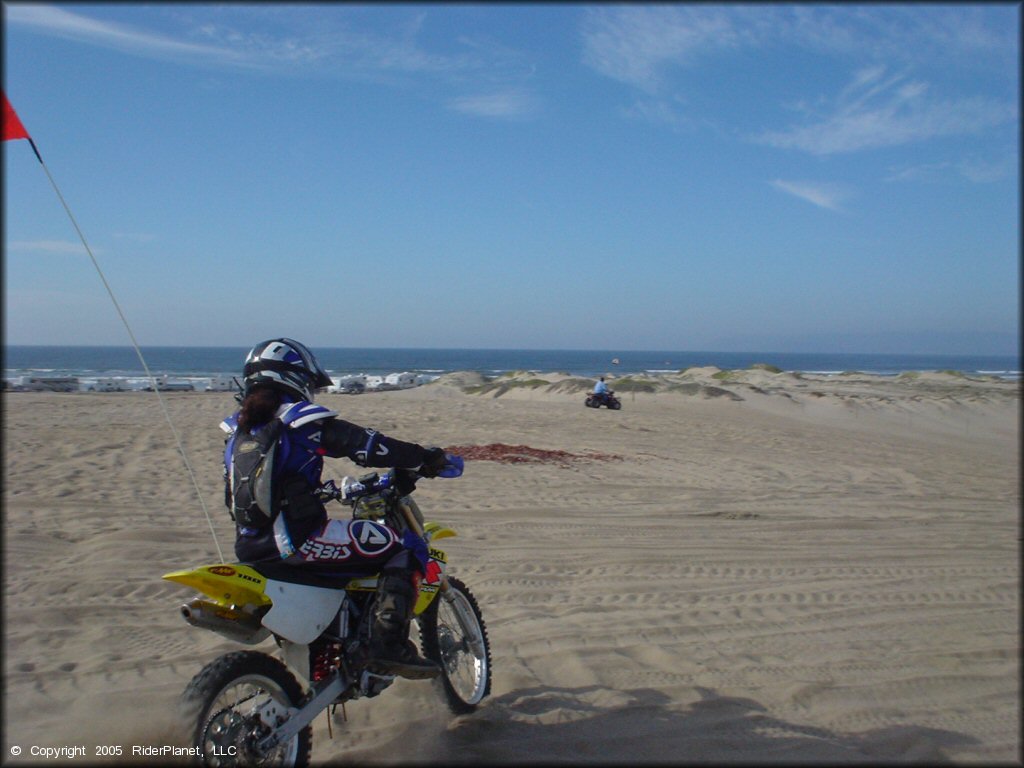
column 330, row 716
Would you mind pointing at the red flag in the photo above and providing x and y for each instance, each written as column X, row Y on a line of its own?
column 13, row 129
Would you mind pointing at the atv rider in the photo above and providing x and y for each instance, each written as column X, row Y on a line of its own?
column 279, row 380
column 601, row 389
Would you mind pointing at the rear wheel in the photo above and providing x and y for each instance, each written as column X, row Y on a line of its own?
column 454, row 636
column 233, row 702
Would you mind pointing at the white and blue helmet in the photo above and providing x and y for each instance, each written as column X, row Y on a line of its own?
column 284, row 364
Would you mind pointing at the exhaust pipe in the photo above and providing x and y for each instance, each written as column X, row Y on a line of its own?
column 232, row 623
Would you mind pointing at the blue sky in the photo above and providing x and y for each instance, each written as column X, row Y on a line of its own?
column 681, row 177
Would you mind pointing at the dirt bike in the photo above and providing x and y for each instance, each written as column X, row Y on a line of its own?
column 597, row 399
column 249, row 707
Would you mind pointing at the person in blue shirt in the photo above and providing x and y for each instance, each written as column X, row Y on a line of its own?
column 280, row 378
column 600, row 388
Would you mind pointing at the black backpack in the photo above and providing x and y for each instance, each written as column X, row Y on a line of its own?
column 252, row 486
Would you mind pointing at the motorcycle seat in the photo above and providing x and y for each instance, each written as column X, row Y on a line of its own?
column 310, row 576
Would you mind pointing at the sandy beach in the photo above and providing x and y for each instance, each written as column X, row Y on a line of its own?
column 738, row 566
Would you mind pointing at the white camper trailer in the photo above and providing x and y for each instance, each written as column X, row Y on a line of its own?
column 51, row 383
column 353, row 384
column 400, row 380
column 220, row 384
column 105, row 384
column 164, row 384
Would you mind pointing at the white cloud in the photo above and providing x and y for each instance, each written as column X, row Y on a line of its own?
column 922, row 172
column 874, row 111
column 322, row 41
column 301, row 39
column 641, row 46
column 256, row 38
column 957, row 35
column 973, row 169
column 634, row 44
column 823, row 195
column 984, row 171
column 74, row 26
column 206, row 40
column 513, row 103
column 638, row 44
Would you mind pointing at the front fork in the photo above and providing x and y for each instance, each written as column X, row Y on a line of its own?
column 411, row 513
column 461, row 608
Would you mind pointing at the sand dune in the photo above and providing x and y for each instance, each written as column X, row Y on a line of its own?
column 737, row 566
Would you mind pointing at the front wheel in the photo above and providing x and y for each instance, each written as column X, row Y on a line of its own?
column 615, row 405
column 233, row 702
column 454, row 636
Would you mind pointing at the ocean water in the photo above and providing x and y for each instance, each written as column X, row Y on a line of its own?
column 187, row 363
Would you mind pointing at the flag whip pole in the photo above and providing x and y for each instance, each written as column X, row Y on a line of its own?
column 131, row 335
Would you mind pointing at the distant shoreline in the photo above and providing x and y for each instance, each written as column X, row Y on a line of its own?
column 708, row 379
column 184, row 364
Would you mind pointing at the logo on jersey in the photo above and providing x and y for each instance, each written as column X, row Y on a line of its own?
column 371, row 538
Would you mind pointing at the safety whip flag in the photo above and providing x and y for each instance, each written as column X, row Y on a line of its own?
column 13, row 128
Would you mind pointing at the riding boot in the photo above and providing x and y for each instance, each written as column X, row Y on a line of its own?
column 390, row 648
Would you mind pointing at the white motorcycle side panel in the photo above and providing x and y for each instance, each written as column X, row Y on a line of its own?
column 300, row 613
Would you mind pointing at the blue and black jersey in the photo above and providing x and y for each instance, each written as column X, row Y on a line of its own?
column 310, row 432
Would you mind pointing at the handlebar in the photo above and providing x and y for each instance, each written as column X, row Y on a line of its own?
column 383, row 497
column 367, row 485
column 403, row 481
column 374, row 483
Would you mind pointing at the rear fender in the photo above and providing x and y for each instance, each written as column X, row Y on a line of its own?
column 226, row 584
column 298, row 613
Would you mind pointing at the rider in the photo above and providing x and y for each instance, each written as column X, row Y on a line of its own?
column 279, row 380
column 600, row 388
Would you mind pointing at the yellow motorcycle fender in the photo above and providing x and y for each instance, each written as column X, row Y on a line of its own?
column 298, row 612
column 227, row 585
column 435, row 531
